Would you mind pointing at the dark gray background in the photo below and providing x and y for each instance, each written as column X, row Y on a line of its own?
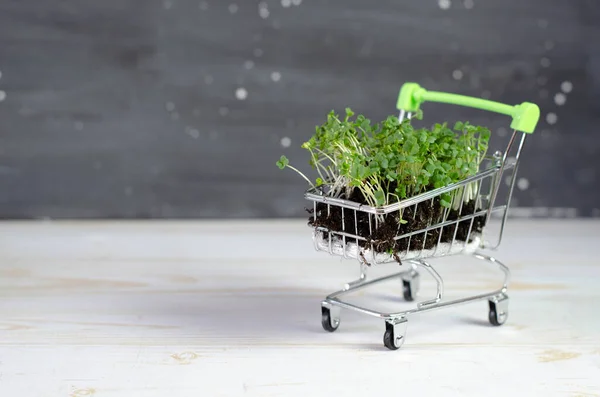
column 128, row 108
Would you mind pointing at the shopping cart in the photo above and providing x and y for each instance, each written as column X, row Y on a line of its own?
column 349, row 243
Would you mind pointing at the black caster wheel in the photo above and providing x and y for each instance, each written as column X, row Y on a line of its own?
column 393, row 338
column 410, row 287
column 330, row 323
column 407, row 291
column 498, row 311
column 389, row 340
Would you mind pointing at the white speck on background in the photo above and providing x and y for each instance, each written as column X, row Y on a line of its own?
column 286, row 141
column 469, row 4
column 263, row 10
column 249, row 64
column 79, row 126
column 241, row 93
column 457, row 74
column 193, row 132
column 128, row 191
column 542, row 23
column 542, row 80
column 286, row 3
column 296, row 2
column 523, row 184
column 170, row 106
column 545, row 62
column 560, row 99
column 0, row 74
column 551, row 118
column 2, row 95
column 258, row 52
column 502, row 131
column 275, row 76
column 444, row 4
column 208, row 79
column 566, row 86
column 223, row 110
column 203, row 5
column 168, row 4
column 233, row 8
column 486, row 94
column 548, row 45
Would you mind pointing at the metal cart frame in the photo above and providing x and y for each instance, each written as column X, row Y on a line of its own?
column 487, row 181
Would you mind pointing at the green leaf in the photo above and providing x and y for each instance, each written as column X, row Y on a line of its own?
column 379, row 197
column 401, row 191
column 349, row 113
column 283, row 162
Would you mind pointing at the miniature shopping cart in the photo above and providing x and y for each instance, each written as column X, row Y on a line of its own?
column 348, row 243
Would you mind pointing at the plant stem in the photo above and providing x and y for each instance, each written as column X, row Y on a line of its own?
column 302, row 175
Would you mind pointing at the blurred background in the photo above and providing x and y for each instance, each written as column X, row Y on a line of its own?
column 180, row 108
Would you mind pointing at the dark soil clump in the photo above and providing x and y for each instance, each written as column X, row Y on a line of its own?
column 380, row 235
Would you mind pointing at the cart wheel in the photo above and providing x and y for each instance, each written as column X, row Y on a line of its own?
column 407, row 291
column 388, row 340
column 395, row 330
column 330, row 323
column 410, row 287
column 498, row 310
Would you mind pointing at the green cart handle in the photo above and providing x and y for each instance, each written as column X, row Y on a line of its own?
column 524, row 116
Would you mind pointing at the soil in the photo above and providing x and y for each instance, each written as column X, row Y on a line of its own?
column 382, row 238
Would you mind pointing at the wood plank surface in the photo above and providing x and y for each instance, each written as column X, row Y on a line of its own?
column 232, row 308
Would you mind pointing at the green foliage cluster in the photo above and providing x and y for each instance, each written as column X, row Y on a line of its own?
column 392, row 160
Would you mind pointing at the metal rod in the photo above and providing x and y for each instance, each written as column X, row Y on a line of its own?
column 319, row 197
column 512, row 186
column 343, row 235
column 439, row 281
column 401, row 116
column 423, row 306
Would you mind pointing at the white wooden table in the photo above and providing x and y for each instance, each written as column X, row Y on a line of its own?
column 171, row 309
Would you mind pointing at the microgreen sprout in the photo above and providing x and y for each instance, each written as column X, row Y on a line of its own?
column 391, row 160
column 285, row 162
